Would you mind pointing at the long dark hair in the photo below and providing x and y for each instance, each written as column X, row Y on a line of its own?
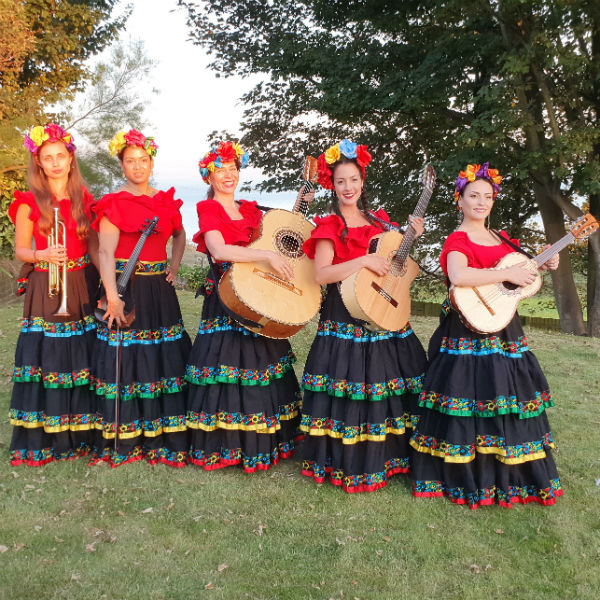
column 38, row 184
column 363, row 201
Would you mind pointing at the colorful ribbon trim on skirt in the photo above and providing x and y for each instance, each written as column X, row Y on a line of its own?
column 143, row 267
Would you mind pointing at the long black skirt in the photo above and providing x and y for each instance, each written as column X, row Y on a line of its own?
column 154, row 351
column 483, row 436
column 52, row 407
column 243, row 399
column 360, row 400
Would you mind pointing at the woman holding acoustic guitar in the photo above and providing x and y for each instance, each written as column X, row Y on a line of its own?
column 483, row 435
column 52, row 407
column 360, row 386
column 244, row 399
column 154, row 347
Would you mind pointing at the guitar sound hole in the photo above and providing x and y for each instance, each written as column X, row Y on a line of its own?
column 289, row 243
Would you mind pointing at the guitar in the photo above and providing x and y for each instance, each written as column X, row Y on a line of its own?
column 123, row 289
column 489, row 308
column 383, row 302
column 267, row 304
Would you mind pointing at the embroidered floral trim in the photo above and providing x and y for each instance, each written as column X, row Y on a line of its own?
column 52, row 380
column 501, row 405
column 341, row 388
column 152, row 389
column 365, row 482
column 209, row 287
column 142, row 267
column 220, row 324
column 230, row 457
column 162, row 455
column 73, row 264
column 22, row 285
column 486, row 496
column 67, row 329
column 244, row 422
column 51, row 424
column 484, row 346
column 38, row 458
column 147, row 428
column 129, row 337
column 356, row 333
column 227, row 374
column 350, row 434
column 487, row 444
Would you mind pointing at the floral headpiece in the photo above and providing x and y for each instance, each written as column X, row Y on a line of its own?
column 133, row 137
column 50, row 133
column 332, row 155
column 473, row 172
column 224, row 152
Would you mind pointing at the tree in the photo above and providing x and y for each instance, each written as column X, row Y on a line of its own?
column 510, row 82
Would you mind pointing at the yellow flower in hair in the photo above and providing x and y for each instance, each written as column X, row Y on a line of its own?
column 238, row 149
column 117, row 143
column 38, row 135
column 211, row 167
column 472, row 170
column 332, row 154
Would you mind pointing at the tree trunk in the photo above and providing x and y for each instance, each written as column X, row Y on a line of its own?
column 593, row 278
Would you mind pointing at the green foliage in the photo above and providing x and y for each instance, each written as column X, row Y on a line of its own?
column 7, row 231
column 193, row 275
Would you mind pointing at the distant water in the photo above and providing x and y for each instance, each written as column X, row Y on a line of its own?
column 192, row 194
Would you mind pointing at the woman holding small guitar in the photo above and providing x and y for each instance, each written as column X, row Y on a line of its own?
column 154, row 348
column 360, row 386
column 244, row 399
column 483, row 436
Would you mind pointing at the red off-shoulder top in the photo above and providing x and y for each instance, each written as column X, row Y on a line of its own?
column 357, row 240
column 213, row 217
column 478, row 257
column 76, row 247
column 132, row 213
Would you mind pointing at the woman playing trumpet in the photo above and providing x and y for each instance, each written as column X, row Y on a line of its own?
column 52, row 406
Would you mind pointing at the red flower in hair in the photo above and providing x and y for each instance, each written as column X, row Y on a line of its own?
column 227, row 152
column 363, row 156
column 135, row 138
column 324, row 173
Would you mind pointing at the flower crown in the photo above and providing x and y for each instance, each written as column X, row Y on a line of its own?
column 473, row 172
column 133, row 137
column 50, row 133
column 224, row 152
column 332, row 155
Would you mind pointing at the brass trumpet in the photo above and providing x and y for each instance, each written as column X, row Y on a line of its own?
column 57, row 275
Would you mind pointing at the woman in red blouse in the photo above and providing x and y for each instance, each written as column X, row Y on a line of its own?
column 155, row 348
column 52, row 406
column 244, row 400
column 483, row 435
column 360, row 386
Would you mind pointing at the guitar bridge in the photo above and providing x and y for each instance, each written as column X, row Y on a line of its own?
column 384, row 294
column 278, row 281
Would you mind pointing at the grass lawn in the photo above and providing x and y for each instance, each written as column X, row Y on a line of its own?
column 70, row 531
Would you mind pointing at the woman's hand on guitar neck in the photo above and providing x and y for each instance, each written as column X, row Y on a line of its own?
column 114, row 312
column 552, row 263
column 418, row 224
column 519, row 275
column 379, row 265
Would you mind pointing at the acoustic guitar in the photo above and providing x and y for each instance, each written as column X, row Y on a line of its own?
column 267, row 304
column 383, row 302
column 491, row 307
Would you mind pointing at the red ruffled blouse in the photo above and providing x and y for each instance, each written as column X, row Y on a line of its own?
column 213, row 217
column 76, row 247
column 132, row 213
column 478, row 257
column 357, row 240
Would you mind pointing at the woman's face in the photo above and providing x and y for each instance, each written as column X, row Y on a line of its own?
column 347, row 183
column 224, row 180
column 477, row 200
column 55, row 160
column 137, row 164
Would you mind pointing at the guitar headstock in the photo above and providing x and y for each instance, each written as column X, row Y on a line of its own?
column 584, row 227
column 428, row 177
column 309, row 172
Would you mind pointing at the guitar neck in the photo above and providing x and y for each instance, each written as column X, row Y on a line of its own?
column 564, row 241
column 125, row 275
column 409, row 236
column 301, row 206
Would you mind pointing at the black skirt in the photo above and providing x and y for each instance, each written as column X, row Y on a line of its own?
column 243, row 399
column 483, row 436
column 154, row 351
column 360, row 400
column 52, row 406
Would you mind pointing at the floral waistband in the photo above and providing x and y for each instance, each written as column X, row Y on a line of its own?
column 143, row 267
column 73, row 264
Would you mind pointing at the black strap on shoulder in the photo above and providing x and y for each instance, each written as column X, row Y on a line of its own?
column 241, row 320
column 509, row 243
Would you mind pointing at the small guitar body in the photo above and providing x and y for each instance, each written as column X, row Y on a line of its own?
column 383, row 302
column 490, row 308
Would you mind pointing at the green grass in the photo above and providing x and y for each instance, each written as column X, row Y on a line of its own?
column 70, row 531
